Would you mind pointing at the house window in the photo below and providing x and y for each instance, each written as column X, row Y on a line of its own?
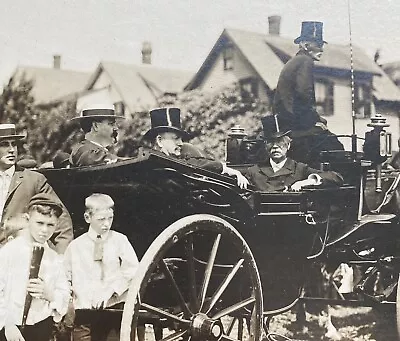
column 324, row 97
column 119, row 108
column 362, row 100
column 249, row 87
column 228, row 57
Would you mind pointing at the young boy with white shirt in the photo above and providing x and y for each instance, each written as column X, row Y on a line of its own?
column 30, row 302
column 100, row 264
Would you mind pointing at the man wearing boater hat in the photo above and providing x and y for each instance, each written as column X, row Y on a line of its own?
column 278, row 173
column 167, row 136
column 17, row 187
column 294, row 101
column 101, row 132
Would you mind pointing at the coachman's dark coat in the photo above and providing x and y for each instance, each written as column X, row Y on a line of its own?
column 294, row 100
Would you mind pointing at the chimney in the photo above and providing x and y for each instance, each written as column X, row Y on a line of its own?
column 274, row 24
column 57, row 61
column 146, row 52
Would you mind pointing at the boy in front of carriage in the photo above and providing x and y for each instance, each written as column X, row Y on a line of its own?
column 34, row 290
column 101, row 264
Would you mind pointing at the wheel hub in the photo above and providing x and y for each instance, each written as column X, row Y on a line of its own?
column 205, row 328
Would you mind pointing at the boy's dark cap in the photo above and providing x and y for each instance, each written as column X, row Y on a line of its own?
column 45, row 199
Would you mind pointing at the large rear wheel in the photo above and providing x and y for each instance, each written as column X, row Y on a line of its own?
column 196, row 279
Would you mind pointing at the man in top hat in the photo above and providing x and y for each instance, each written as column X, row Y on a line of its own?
column 101, row 132
column 294, row 101
column 167, row 136
column 279, row 173
column 17, row 187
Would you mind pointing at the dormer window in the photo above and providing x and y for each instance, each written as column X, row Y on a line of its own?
column 324, row 97
column 228, row 57
column 249, row 87
column 362, row 100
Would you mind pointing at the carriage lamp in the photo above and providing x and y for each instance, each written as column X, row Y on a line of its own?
column 378, row 146
column 233, row 143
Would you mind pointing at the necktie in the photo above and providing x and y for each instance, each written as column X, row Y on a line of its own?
column 98, row 253
column 98, row 248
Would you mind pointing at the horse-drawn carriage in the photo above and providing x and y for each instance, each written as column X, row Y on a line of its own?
column 215, row 258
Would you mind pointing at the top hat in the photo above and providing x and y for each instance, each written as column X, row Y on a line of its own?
column 164, row 120
column 271, row 129
column 311, row 31
column 97, row 111
column 8, row 131
column 46, row 199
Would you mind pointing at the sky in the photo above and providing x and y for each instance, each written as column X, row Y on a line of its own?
column 182, row 32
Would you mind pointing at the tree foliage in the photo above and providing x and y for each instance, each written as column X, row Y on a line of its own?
column 208, row 117
column 47, row 129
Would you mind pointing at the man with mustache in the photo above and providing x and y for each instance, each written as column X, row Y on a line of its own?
column 294, row 101
column 17, row 187
column 101, row 132
column 278, row 173
column 166, row 136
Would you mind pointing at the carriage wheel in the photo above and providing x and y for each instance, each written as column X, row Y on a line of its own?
column 208, row 278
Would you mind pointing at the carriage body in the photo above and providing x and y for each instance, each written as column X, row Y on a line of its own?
column 284, row 231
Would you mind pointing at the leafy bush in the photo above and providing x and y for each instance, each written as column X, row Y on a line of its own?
column 207, row 116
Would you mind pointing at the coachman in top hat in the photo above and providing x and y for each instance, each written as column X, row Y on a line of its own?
column 294, row 102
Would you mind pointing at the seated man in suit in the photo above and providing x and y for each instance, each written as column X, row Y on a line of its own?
column 166, row 136
column 279, row 173
column 101, row 131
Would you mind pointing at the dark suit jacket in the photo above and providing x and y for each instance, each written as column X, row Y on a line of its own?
column 264, row 179
column 87, row 153
column 24, row 185
column 294, row 100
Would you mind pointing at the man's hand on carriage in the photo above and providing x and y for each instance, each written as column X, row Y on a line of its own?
column 242, row 182
column 312, row 180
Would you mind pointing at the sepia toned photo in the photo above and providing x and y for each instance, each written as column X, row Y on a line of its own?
column 199, row 170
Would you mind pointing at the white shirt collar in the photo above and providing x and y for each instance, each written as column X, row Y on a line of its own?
column 97, row 144
column 10, row 171
column 93, row 234
column 277, row 166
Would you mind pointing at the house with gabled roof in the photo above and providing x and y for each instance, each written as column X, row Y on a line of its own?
column 133, row 88
column 255, row 60
column 53, row 84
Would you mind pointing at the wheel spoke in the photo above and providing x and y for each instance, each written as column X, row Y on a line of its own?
column 175, row 336
column 192, row 273
column 208, row 271
column 234, row 308
column 163, row 313
column 224, row 285
column 168, row 273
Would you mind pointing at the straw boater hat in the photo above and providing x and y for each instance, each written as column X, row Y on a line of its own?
column 8, row 131
column 311, row 31
column 164, row 120
column 97, row 111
